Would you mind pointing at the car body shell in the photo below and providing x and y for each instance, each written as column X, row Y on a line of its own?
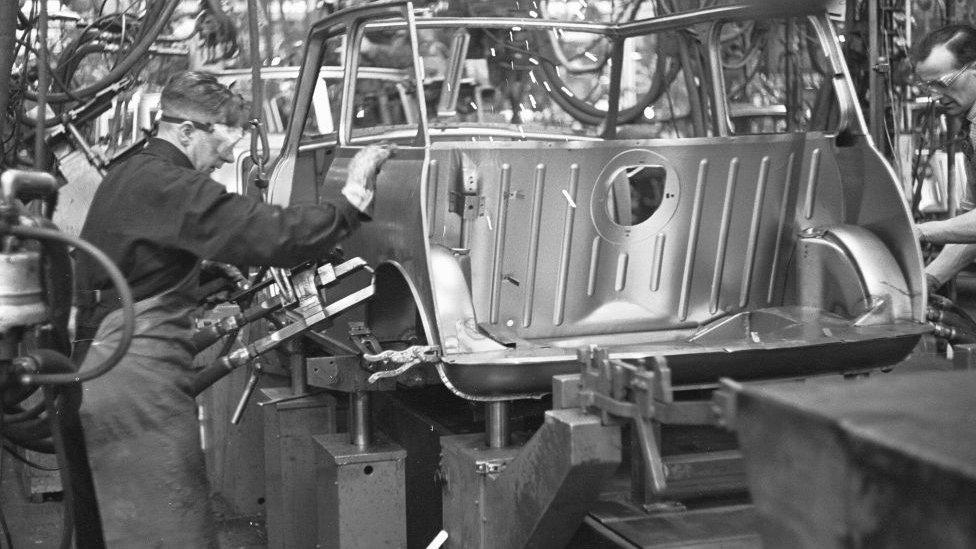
column 772, row 255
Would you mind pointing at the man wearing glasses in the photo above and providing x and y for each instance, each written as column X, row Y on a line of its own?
column 946, row 69
column 157, row 216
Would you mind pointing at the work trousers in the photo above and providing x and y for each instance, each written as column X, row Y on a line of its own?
column 143, row 434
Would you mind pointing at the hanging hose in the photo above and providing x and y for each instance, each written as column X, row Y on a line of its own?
column 664, row 75
column 42, row 83
column 258, row 134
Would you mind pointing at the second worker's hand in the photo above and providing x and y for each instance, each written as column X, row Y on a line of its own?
column 361, row 174
column 919, row 233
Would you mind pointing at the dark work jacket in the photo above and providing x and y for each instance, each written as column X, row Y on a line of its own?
column 156, row 217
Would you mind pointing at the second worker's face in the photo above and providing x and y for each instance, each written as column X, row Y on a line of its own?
column 952, row 85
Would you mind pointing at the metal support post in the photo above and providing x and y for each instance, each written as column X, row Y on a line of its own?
column 360, row 434
column 296, row 363
column 496, row 424
column 358, row 478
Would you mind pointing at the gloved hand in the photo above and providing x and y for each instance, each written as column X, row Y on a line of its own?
column 230, row 272
column 361, row 177
column 919, row 232
column 219, row 282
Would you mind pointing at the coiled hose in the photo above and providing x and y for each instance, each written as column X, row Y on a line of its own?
column 121, row 286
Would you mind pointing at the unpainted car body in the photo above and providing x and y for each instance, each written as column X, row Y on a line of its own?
column 773, row 246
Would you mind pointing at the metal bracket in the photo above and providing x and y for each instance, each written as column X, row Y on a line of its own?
column 619, row 390
column 490, row 466
column 363, row 338
column 467, row 205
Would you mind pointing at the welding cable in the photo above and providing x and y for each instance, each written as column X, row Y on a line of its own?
column 56, row 268
column 32, row 464
column 29, row 430
column 943, row 302
column 33, row 429
column 15, row 394
column 952, row 335
column 951, row 318
column 664, row 75
column 24, row 415
column 138, row 50
column 121, row 287
column 3, row 519
column 6, row 528
column 30, row 442
column 961, row 327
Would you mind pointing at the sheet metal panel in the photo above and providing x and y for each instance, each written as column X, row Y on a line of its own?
column 714, row 246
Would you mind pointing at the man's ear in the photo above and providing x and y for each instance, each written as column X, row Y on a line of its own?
column 185, row 133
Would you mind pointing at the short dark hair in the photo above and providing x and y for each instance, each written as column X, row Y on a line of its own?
column 199, row 96
column 958, row 38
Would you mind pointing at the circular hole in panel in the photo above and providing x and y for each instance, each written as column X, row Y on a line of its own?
column 635, row 193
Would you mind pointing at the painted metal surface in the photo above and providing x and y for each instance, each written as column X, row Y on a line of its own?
column 885, row 462
column 553, row 480
column 360, row 494
column 535, row 263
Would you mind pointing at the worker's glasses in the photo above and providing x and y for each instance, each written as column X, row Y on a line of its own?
column 232, row 134
column 938, row 86
column 229, row 133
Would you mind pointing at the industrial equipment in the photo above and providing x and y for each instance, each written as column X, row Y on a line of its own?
column 584, row 228
column 36, row 287
column 550, row 193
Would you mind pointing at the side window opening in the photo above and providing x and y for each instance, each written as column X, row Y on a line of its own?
column 776, row 77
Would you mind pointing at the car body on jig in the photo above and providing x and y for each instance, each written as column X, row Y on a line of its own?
column 694, row 185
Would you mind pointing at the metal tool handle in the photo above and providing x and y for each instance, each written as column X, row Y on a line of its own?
column 206, row 377
column 252, row 383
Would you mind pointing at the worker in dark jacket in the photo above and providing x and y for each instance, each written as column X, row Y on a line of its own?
column 157, row 215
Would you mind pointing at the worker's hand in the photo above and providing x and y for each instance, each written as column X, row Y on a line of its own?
column 224, row 270
column 361, row 177
column 919, row 230
column 218, row 282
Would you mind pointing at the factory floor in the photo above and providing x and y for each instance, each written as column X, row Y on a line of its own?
column 35, row 520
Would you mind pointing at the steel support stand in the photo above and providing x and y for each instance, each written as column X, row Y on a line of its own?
column 553, row 480
column 290, row 461
column 360, row 481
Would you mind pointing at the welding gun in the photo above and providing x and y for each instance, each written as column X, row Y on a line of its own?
column 301, row 305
